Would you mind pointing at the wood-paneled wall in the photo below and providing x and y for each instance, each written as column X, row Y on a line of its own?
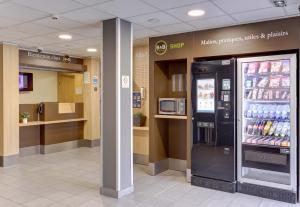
column 141, row 79
column 9, row 100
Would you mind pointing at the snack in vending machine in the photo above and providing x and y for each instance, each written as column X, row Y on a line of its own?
column 248, row 83
column 272, row 111
column 278, row 129
column 263, row 82
column 276, row 66
column 254, row 111
column 285, row 66
column 284, row 95
column 270, row 94
column 274, row 82
column 266, row 95
column 278, row 112
column 264, row 67
column 250, row 128
column 260, row 111
column 267, row 128
column 254, row 82
column 254, row 93
column 266, row 111
column 273, row 128
column 261, row 127
column 260, row 93
column 252, row 68
column 255, row 128
column 249, row 95
column 285, row 82
column 285, row 129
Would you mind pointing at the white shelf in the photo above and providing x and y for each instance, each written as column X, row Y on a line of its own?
column 158, row 116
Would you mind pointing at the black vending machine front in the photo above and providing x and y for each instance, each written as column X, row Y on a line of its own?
column 214, row 124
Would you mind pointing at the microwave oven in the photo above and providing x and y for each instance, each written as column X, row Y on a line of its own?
column 172, row 106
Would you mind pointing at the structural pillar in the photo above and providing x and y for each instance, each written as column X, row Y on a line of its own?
column 9, row 104
column 116, row 130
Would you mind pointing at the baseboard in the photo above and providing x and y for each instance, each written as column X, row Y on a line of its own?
column 188, row 175
column 177, row 164
column 89, row 143
column 167, row 164
column 52, row 148
column 159, row 167
column 267, row 192
column 213, row 184
column 116, row 194
column 140, row 159
column 9, row 160
column 32, row 150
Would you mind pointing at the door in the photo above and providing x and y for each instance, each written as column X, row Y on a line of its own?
column 66, row 88
column 213, row 94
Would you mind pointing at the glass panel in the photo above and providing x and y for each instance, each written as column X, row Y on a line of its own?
column 266, row 121
column 206, row 95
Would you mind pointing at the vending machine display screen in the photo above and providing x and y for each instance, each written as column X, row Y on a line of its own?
column 206, row 95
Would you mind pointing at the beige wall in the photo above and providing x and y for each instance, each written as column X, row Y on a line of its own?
column 44, row 87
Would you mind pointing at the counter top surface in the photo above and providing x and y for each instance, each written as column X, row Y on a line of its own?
column 36, row 123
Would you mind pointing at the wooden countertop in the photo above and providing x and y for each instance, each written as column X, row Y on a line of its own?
column 36, row 123
column 143, row 128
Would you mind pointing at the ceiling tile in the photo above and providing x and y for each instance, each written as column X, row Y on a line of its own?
column 210, row 11
column 41, row 40
column 162, row 18
column 33, row 29
column 91, row 2
column 259, row 15
column 173, row 28
column 5, row 22
column 144, row 33
column 125, row 8
column 13, row 34
column 52, row 7
column 236, row 6
column 168, row 4
column 292, row 9
column 87, row 15
column 19, row 12
column 87, row 31
column 61, row 23
column 212, row 22
column 137, row 27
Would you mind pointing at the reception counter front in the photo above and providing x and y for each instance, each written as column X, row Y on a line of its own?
column 58, row 126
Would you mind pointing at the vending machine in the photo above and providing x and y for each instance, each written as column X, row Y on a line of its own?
column 267, row 127
column 214, row 124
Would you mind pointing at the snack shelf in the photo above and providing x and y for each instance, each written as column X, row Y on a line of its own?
column 267, row 74
column 265, row 119
column 265, row 145
column 282, row 88
column 267, row 101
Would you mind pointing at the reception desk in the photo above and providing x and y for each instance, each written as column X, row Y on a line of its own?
column 59, row 127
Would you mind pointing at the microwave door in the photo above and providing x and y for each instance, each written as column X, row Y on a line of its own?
column 168, row 107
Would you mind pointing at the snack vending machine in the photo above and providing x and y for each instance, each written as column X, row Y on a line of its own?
column 267, row 127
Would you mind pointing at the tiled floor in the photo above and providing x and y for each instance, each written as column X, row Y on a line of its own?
column 71, row 178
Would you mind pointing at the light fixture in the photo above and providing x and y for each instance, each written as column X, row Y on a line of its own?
column 153, row 20
column 65, row 36
column 91, row 50
column 196, row 12
column 280, row 3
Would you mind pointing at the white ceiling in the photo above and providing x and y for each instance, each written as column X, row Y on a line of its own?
column 28, row 23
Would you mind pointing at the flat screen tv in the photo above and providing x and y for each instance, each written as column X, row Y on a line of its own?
column 25, row 82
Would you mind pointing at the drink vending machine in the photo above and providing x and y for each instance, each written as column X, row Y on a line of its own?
column 214, row 124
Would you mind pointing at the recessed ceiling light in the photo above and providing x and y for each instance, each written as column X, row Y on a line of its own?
column 153, row 20
column 65, row 36
column 91, row 50
column 196, row 12
column 280, row 3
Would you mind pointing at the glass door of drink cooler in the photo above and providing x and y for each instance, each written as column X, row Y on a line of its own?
column 267, row 132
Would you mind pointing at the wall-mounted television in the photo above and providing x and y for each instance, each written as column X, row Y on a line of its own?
column 25, row 82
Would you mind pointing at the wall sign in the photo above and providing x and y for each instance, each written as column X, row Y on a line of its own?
column 136, row 102
column 161, row 47
column 125, row 81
